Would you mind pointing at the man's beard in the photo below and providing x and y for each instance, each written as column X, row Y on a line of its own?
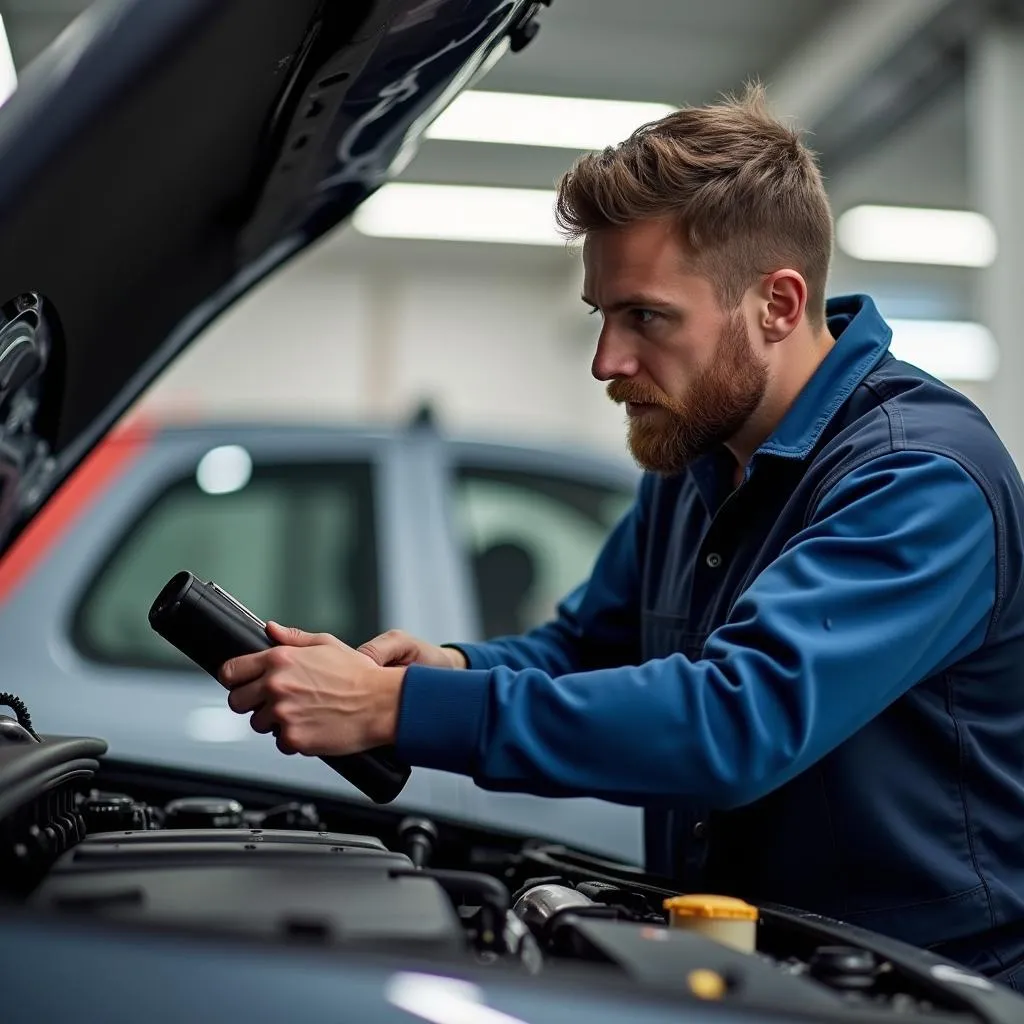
column 718, row 402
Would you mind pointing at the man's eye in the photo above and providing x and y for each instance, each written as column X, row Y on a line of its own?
column 644, row 316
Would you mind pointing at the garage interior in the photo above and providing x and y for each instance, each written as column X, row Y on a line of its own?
column 909, row 103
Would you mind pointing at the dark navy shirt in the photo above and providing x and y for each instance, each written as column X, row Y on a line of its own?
column 812, row 682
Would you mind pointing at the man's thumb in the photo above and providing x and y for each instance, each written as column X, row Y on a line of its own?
column 388, row 649
column 291, row 636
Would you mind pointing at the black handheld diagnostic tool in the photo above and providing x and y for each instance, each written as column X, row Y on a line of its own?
column 209, row 626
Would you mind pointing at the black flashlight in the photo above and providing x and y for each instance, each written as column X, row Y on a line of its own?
column 210, row 627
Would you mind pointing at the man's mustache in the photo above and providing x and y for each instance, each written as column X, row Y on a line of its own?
column 621, row 391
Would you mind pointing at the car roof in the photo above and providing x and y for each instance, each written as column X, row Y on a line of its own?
column 485, row 450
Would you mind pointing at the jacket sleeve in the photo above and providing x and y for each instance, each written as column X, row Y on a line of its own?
column 597, row 624
column 892, row 579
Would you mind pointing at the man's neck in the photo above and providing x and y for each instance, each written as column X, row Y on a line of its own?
column 785, row 386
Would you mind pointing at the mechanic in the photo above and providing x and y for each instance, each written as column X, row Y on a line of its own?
column 802, row 649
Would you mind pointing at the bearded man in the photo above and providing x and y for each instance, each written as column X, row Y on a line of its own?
column 802, row 649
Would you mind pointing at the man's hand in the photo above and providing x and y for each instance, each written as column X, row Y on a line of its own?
column 397, row 648
column 316, row 694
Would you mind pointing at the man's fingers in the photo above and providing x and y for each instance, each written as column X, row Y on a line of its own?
column 263, row 721
column 390, row 648
column 294, row 637
column 285, row 748
column 245, row 669
column 243, row 699
column 249, row 667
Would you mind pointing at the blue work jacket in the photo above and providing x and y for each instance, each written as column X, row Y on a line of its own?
column 812, row 682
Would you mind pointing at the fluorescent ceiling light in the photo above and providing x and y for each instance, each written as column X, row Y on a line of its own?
column 521, row 119
column 8, row 76
column 947, row 349
column 460, row 213
column 902, row 234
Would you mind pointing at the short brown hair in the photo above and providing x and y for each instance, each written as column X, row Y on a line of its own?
column 746, row 190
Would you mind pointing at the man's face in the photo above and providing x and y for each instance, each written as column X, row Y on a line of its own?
column 685, row 369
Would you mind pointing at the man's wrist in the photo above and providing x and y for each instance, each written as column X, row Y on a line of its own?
column 388, row 699
column 455, row 656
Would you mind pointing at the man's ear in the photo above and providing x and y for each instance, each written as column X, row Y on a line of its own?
column 783, row 304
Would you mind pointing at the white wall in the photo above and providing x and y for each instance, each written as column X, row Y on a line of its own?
column 497, row 338
column 294, row 346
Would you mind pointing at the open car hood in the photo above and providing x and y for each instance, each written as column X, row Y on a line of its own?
column 162, row 158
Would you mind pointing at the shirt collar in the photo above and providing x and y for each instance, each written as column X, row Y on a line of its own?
column 862, row 339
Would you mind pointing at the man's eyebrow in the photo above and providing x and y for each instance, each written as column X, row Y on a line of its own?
column 632, row 301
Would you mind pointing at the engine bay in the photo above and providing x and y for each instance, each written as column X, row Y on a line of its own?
column 135, row 845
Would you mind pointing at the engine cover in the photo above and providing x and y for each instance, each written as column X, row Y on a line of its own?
column 321, row 886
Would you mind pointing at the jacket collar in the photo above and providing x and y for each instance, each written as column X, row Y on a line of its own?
column 862, row 339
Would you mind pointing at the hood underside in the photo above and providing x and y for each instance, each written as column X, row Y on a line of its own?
column 161, row 158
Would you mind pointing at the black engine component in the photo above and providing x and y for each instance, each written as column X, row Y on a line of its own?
column 325, row 887
column 39, row 814
column 844, row 968
column 636, row 904
column 23, row 720
column 659, row 957
column 272, row 871
column 292, row 816
column 203, row 812
column 542, row 862
column 110, row 812
column 12, row 731
column 418, row 836
column 485, row 896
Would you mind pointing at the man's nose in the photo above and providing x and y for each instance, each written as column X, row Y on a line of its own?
column 613, row 359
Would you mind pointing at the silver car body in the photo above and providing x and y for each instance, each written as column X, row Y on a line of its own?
column 177, row 716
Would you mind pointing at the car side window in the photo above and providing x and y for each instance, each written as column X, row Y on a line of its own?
column 296, row 543
column 530, row 538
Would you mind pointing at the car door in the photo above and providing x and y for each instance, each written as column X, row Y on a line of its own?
column 350, row 532
column 525, row 525
column 294, row 522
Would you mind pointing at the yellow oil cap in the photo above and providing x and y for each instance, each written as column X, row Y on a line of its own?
column 724, row 919
column 718, row 908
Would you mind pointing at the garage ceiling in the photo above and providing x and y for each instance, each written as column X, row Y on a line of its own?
column 668, row 50
column 681, row 52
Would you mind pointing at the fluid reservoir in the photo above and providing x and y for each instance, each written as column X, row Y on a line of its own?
column 722, row 918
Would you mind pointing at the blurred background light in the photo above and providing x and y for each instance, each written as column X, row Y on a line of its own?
column 460, row 213
column 443, row 1000
column 224, row 470
column 902, row 234
column 562, row 122
column 8, row 75
column 949, row 350
column 216, row 724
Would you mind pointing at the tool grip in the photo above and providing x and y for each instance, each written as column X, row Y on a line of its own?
column 210, row 627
